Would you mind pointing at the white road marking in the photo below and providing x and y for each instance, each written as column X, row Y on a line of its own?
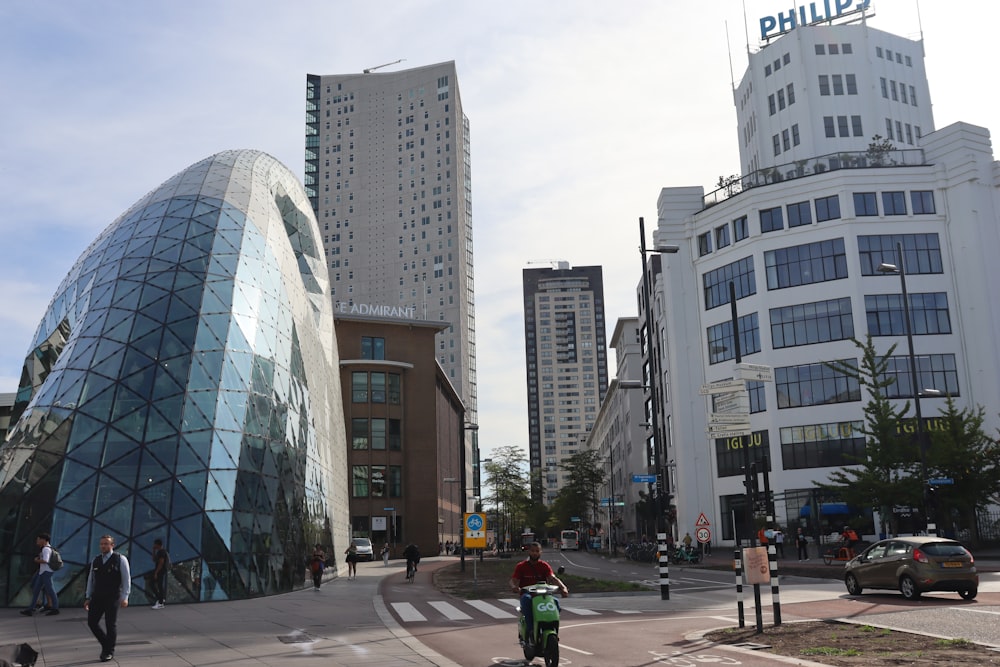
column 581, row 612
column 450, row 611
column 977, row 611
column 407, row 612
column 489, row 609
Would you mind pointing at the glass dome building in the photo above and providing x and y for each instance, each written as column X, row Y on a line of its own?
column 183, row 385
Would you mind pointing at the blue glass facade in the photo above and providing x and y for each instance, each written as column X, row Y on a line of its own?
column 183, row 385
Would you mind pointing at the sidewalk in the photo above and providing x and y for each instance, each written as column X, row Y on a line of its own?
column 345, row 623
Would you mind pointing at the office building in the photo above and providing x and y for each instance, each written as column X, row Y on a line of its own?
column 801, row 235
column 567, row 369
column 182, row 385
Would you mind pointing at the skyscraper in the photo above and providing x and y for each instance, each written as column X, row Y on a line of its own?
column 388, row 173
column 567, row 364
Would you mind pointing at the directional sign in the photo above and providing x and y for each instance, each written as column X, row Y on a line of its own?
column 722, row 387
column 644, row 479
column 755, row 372
column 734, row 433
column 388, row 509
column 941, row 481
column 738, row 401
column 728, row 418
column 475, row 530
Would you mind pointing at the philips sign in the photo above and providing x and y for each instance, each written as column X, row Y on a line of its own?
column 814, row 12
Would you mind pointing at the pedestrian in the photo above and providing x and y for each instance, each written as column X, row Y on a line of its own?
column 352, row 561
column 385, row 554
column 802, row 545
column 687, row 541
column 779, row 542
column 42, row 579
column 317, row 563
column 161, row 565
column 108, row 586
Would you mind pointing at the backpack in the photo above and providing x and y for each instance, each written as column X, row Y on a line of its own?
column 55, row 560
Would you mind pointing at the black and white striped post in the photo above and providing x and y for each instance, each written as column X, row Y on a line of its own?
column 664, row 566
column 772, row 561
column 738, row 567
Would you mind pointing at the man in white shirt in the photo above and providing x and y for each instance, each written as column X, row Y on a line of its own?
column 42, row 581
column 108, row 586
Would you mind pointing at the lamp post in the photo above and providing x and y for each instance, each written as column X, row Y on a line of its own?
column 914, row 383
column 654, row 372
column 466, row 426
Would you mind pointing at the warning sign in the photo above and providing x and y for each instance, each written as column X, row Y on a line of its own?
column 702, row 520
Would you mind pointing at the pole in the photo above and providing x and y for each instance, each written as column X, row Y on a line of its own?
column 915, row 384
column 462, row 484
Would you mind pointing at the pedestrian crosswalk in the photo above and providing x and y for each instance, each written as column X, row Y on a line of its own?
column 480, row 610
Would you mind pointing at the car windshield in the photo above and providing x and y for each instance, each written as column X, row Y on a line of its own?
column 362, row 542
column 943, row 549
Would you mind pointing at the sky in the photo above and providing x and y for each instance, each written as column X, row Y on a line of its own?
column 580, row 112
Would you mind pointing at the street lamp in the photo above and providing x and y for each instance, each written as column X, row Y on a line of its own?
column 914, row 382
column 654, row 371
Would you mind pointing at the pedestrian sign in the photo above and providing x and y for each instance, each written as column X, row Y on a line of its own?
column 475, row 530
column 702, row 520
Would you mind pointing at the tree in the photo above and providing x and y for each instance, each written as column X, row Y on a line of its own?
column 579, row 496
column 959, row 449
column 882, row 478
column 506, row 475
column 879, row 149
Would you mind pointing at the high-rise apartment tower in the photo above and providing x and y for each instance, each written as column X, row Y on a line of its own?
column 567, row 364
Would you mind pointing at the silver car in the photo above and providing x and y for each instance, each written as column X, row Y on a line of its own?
column 914, row 565
column 364, row 548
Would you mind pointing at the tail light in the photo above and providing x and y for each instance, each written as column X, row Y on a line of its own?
column 920, row 556
column 972, row 558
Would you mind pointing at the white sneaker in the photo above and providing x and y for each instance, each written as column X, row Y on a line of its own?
column 158, row 606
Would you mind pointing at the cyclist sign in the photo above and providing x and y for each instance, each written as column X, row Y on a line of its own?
column 475, row 530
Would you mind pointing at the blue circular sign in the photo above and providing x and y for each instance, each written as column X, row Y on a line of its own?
column 474, row 522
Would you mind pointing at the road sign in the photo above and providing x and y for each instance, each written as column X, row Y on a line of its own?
column 644, row 479
column 733, row 433
column 754, row 372
column 388, row 509
column 475, row 530
column 605, row 502
column 729, row 418
column 737, row 401
column 703, row 535
column 574, row 519
column 702, row 520
column 722, row 387
column 941, row 481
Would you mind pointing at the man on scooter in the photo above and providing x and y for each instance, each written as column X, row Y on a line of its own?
column 529, row 572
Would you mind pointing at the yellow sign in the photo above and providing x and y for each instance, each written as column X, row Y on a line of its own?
column 474, row 524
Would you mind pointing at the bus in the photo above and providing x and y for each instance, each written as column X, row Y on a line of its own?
column 569, row 539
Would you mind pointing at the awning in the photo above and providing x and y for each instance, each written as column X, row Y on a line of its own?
column 825, row 509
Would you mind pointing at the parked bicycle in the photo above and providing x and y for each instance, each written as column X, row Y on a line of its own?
column 685, row 555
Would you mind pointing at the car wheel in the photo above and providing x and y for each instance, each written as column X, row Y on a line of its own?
column 968, row 593
column 908, row 588
column 853, row 587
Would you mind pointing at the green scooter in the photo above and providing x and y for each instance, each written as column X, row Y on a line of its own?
column 544, row 639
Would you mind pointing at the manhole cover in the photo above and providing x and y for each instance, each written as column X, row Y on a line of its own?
column 296, row 638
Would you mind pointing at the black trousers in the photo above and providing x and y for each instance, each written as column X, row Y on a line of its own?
column 109, row 610
column 160, row 587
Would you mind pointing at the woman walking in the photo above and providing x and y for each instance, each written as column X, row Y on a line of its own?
column 352, row 561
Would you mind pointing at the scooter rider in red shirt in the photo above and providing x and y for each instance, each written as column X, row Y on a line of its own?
column 530, row 571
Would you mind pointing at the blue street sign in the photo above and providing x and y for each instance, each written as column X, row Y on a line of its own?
column 941, row 481
column 644, row 479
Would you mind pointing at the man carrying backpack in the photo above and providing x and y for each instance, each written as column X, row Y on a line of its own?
column 42, row 581
column 161, row 563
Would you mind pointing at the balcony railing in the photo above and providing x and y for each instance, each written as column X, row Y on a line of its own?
column 910, row 157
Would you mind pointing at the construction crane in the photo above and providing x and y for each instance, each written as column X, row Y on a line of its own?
column 372, row 69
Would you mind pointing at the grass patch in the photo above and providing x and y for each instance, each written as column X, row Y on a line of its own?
column 830, row 650
column 958, row 641
column 872, row 629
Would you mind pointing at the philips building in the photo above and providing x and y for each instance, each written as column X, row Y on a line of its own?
column 821, row 203
column 183, row 385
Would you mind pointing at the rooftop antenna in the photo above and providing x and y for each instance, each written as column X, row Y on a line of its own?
column 746, row 30
column 372, row 69
column 729, row 49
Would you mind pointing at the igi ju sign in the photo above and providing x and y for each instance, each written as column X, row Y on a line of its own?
column 807, row 14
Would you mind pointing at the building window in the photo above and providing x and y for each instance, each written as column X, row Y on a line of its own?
column 894, row 203
column 820, row 49
column 805, row 264
column 372, row 348
column 791, row 94
column 856, row 126
column 771, row 107
column 888, row 128
column 822, row 445
column 885, row 87
column 922, row 202
column 395, row 435
column 359, row 387
column 928, row 314
column 722, row 236
column 852, row 84
column 934, row 371
column 359, row 477
column 815, row 384
column 838, row 84
column 865, row 204
column 824, row 84
column 729, row 454
column 378, row 387
column 771, row 220
column 359, row 433
column 776, row 139
column 781, row 99
column 799, row 214
column 721, row 346
column 785, row 140
column 741, row 229
column 921, row 253
column 716, row 283
column 378, row 433
column 828, row 126
column 795, row 134
column 395, row 481
column 395, row 388
column 704, row 244
column 827, row 208
column 378, row 482
column 843, row 126
column 809, row 323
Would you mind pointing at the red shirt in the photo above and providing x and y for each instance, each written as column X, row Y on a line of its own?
column 529, row 573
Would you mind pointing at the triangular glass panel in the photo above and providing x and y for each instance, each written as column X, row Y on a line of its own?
column 182, row 504
column 99, row 404
column 199, row 410
column 110, row 495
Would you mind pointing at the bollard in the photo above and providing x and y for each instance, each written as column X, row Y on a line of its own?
column 738, row 567
column 772, row 558
column 664, row 566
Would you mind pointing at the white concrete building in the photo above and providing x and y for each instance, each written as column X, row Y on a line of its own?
column 800, row 235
